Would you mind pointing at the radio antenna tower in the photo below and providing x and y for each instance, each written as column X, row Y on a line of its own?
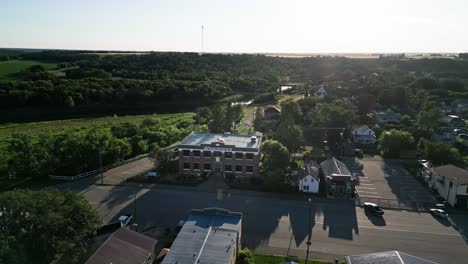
column 202, row 40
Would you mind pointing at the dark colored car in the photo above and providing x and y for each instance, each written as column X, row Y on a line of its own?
column 373, row 208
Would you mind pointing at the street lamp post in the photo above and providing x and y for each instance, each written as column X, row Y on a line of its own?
column 310, row 229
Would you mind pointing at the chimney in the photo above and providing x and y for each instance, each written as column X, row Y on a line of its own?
column 253, row 139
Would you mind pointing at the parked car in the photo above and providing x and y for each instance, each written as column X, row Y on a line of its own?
column 373, row 208
column 441, row 205
column 125, row 219
column 438, row 213
column 424, row 163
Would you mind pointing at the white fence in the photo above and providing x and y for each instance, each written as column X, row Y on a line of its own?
column 97, row 171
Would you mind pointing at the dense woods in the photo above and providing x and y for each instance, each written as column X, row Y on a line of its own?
column 166, row 82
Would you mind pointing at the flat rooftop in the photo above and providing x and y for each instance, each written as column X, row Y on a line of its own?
column 208, row 236
column 238, row 141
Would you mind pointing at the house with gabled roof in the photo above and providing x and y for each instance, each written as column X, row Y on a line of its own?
column 363, row 135
column 308, row 178
column 340, row 180
column 321, row 92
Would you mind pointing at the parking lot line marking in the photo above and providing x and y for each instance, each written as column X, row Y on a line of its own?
column 371, row 193
column 370, row 196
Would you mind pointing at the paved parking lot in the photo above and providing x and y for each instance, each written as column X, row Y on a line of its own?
column 387, row 179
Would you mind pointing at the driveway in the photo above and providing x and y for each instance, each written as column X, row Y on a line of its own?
column 387, row 179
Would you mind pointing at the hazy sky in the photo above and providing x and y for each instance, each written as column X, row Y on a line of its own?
column 237, row 25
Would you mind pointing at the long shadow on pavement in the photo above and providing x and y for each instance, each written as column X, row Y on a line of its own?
column 340, row 219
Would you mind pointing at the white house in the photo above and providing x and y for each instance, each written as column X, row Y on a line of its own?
column 321, row 92
column 451, row 182
column 308, row 179
column 363, row 135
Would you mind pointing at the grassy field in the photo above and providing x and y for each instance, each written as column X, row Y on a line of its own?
column 270, row 259
column 9, row 68
column 81, row 124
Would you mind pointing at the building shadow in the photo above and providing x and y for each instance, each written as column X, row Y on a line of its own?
column 302, row 221
column 354, row 166
column 341, row 222
column 459, row 220
column 405, row 187
column 442, row 221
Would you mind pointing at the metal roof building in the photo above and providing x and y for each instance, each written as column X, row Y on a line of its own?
column 126, row 247
column 209, row 236
column 233, row 140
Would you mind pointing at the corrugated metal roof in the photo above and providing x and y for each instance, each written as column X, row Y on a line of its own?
column 208, row 236
column 333, row 166
column 124, row 246
column 454, row 173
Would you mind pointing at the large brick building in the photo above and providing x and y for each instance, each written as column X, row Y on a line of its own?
column 220, row 154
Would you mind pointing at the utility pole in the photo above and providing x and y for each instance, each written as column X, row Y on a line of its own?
column 137, row 187
column 310, row 229
column 100, row 166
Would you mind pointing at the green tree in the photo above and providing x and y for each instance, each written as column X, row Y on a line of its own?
column 46, row 226
column 335, row 114
column 439, row 153
column 202, row 115
column 429, row 118
column 162, row 159
column 274, row 161
column 245, row 257
column 216, row 124
column 291, row 112
column 118, row 149
column 28, row 159
column 290, row 136
column 392, row 142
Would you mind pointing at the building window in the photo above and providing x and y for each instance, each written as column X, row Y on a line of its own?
column 249, row 156
column 305, row 179
column 305, row 187
column 218, row 153
column 207, row 154
column 196, row 153
column 228, row 155
column 239, row 155
column 196, row 166
column 207, row 166
column 186, row 165
column 249, row 169
column 228, row 167
column 239, row 168
column 186, row 153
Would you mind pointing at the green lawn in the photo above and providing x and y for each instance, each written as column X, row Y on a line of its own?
column 9, row 68
column 270, row 259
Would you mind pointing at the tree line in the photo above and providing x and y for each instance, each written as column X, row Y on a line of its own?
column 38, row 155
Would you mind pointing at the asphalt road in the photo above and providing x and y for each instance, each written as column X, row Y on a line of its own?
column 281, row 226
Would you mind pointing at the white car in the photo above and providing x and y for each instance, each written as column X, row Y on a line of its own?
column 439, row 213
column 126, row 219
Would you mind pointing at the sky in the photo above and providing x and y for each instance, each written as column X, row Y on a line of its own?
column 255, row 26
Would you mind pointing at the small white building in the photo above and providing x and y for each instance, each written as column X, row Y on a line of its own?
column 363, row 135
column 451, row 182
column 308, row 178
column 321, row 92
